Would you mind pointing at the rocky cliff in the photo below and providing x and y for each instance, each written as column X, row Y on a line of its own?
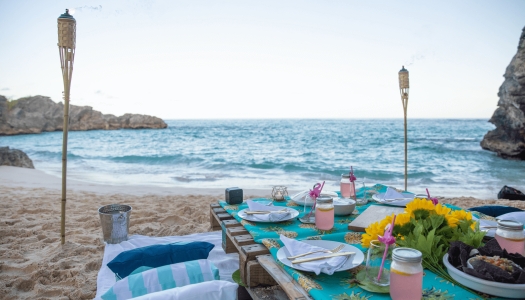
column 508, row 139
column 40, row 113
column 15, row 158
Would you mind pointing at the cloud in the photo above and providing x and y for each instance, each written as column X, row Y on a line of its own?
column 4, row 89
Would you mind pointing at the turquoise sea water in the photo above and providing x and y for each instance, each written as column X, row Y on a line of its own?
column 443, row 155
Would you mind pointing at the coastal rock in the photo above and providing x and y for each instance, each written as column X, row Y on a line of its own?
column 508, row 139
column 15, row 158
column 39, row 113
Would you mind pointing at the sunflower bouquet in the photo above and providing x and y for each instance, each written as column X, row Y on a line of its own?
column 429, row 228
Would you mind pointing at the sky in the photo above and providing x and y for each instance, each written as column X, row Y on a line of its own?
column 265, row 59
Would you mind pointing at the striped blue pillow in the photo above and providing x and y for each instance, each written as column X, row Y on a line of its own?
column 163, row 278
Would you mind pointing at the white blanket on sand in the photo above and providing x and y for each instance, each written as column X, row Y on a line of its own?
column 226, row 263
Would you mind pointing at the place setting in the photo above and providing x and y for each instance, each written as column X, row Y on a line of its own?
column 265, row 212
column 319, row 256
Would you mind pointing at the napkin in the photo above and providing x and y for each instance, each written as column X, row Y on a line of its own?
column 393, row 194
column 273, row 217
column 327, row 266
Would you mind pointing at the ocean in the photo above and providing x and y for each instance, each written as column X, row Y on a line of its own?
column 444, row 155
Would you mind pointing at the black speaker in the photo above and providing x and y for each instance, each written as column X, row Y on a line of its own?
column 233, row 195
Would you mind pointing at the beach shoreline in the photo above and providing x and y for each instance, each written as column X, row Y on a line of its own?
column 35, row 265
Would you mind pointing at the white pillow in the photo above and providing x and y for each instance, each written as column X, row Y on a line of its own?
column 163, row 278
column 209, row 290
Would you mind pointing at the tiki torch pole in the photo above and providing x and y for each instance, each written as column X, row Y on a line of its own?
column 403, row 89
column 66, row 47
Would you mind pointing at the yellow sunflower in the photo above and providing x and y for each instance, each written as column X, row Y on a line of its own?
column 442, row 210
column 451, row 221
column 375, row 229
column 402, row 219
column 419, row 204
column 461, row 215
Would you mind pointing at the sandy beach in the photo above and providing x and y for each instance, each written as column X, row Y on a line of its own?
column 34, row 265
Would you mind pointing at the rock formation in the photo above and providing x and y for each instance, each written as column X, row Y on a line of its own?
column 508, row 139
column 39, row 113
column 15, row 158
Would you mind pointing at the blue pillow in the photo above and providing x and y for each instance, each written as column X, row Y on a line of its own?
column 158, row 255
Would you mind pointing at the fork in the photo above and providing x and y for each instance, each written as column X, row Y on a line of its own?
column 335, row 250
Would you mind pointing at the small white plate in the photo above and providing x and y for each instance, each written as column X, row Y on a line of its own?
column 242, row 214
column 395, row 202
column 508, row 290
column 352, row 262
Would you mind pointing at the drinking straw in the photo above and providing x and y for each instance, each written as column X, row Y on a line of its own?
column 314, row 194
column 434, row 200
column 352, row 178
column 386, row 239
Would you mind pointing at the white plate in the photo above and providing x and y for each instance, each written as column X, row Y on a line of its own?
column 352, row 262
column 499, row 289
column 395, row 202
column 299, row 198
column 293, row 214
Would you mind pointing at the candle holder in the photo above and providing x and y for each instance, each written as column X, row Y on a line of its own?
column 279, row 192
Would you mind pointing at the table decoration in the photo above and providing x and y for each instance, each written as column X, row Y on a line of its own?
column 279, row 192
column 429, row 228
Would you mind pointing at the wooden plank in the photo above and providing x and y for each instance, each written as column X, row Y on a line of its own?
column 231, row 223
column 242, row 240
column 215, row 205
column 214, row 220
column 373, row 213
column 256, row 275
column 224, row 216
column 292, row 289
column 227, row 243
column 249, row 253
column 238, row 230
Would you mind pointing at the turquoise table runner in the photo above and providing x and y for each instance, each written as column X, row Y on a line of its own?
column 340, row 285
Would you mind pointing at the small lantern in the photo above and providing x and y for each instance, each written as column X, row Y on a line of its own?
column 279, row 193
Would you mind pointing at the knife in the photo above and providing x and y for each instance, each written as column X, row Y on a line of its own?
column 298, row 261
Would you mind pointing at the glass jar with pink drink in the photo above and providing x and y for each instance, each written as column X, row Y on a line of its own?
column 324, row 212
column 347, row 187
column 510, row 236
column 406, row 274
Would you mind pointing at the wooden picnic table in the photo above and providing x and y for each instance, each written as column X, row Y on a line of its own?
column 262, row 276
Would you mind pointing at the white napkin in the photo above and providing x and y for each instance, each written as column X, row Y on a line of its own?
column 273, row 217
column 327, row 266
column 393, row 194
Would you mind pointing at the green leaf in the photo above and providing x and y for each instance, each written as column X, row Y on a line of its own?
column 436, row 221
column 236, row 276
column 368, row 285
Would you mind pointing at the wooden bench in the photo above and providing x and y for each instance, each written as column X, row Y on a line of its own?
column 262, row 276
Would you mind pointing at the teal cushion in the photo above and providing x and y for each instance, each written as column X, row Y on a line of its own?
column 158, row 255
column 163, row 278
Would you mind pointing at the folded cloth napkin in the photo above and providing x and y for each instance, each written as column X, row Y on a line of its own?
column 327, row 266
column 272, row 217
column 392, row 194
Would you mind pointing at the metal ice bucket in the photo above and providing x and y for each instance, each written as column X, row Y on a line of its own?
column 114, row 219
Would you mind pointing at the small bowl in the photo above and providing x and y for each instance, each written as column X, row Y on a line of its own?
column 343, row 207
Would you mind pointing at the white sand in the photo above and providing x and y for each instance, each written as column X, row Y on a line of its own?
column 34, row 265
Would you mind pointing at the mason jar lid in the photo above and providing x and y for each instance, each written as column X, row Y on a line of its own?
column 324, row 199
column 346, row 175
column 407, row 255
column 510, row 225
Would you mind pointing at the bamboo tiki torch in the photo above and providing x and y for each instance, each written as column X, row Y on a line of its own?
column 66, row 47
column 403, row 89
